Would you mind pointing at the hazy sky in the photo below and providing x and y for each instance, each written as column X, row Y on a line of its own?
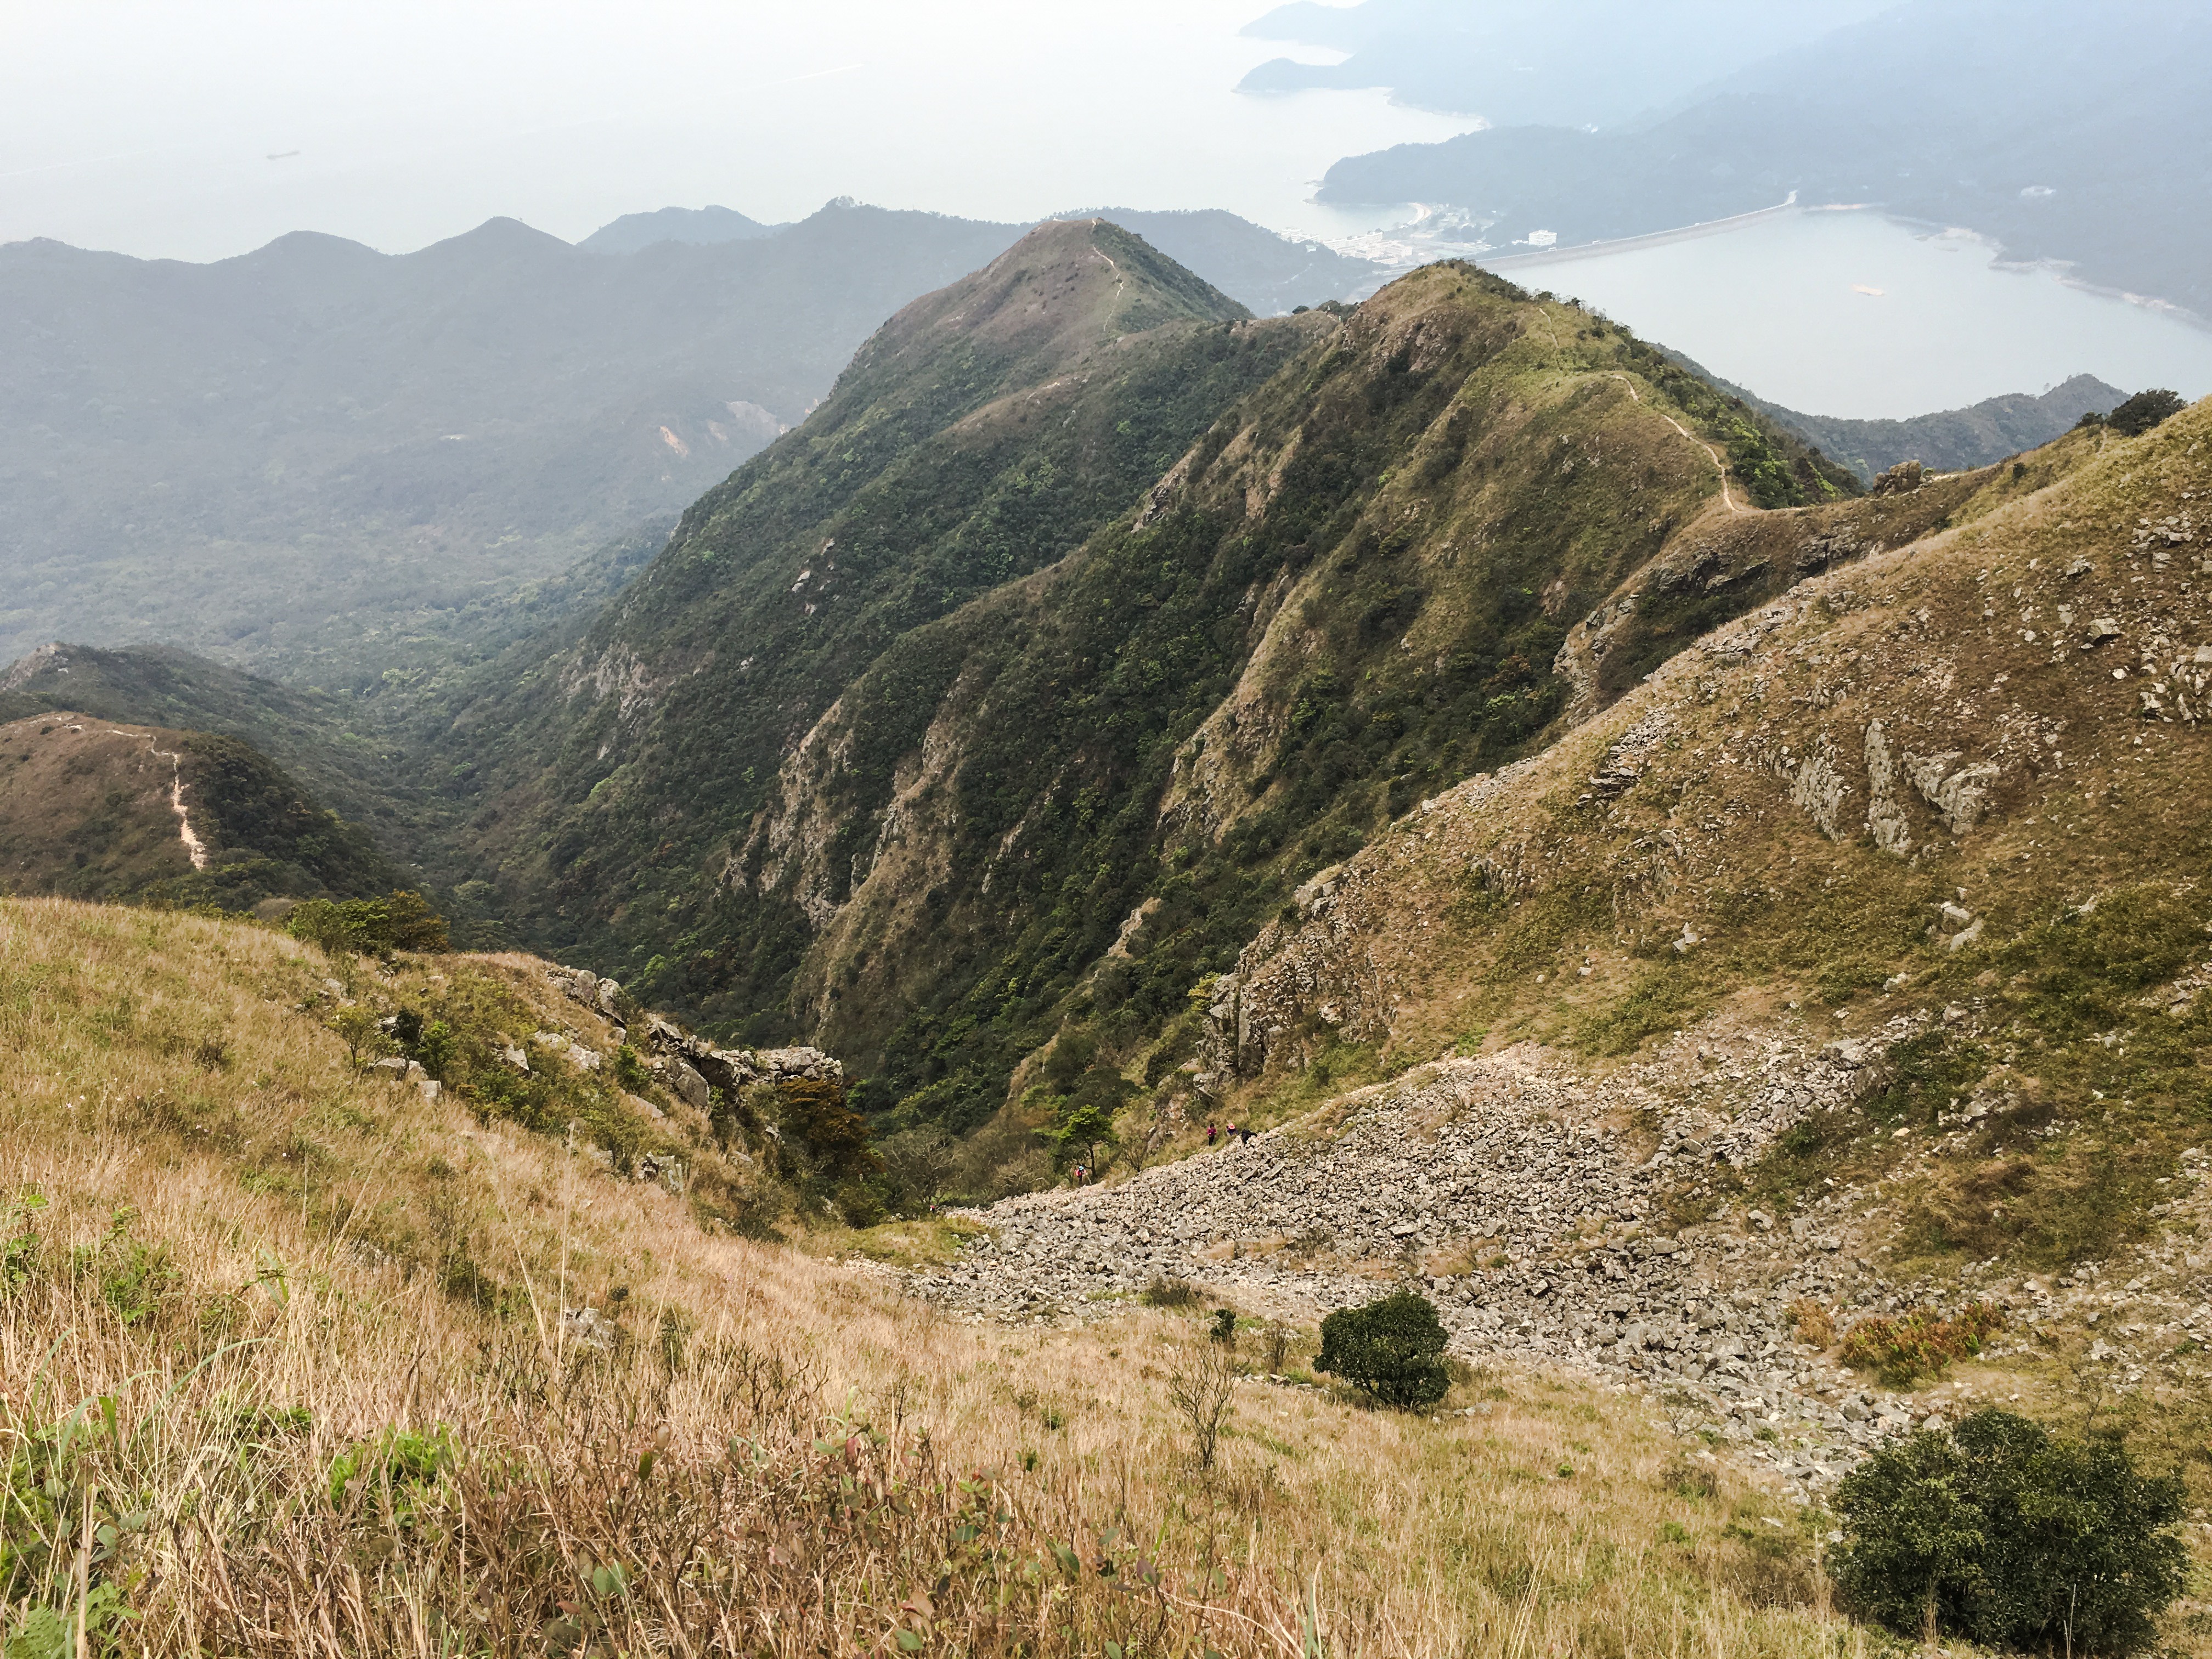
column 147, row 125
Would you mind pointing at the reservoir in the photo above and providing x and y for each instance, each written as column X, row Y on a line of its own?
column 1847, row 313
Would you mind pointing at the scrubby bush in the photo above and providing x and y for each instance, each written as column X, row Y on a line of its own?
column 2145, row 411
column 1391, row 1350
column 1167, row 1291
column 1921, row 1344
column 2002, row 1533
column 375, row 927
column 919, row 1167
column 1202, row 1389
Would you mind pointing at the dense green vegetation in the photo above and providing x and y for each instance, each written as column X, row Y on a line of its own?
column 1074, row 704
column 1391, row 1350
column 1370, row 559
column 2004, row 1535
column 950, row 462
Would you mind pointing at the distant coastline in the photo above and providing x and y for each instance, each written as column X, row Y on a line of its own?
column 1654, row 239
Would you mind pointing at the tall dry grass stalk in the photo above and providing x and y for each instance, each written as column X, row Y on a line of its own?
column 230, row 1425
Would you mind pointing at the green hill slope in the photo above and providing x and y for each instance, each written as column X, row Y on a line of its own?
column 867, row 755
column 1943, row 805
column 94, row 810
column 1080, row 794
column 317, row 738
column 980, row 435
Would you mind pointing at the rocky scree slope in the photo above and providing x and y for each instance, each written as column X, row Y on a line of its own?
column 980, row 434
column 1082, row 791
column 1532, row 1202
column 92, row 808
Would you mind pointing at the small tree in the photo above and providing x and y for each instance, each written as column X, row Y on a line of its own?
column 1085, row 1128
column 2145, row 411
column 2004, row 1535
column 358, row 1029
column 369, row 927
column 1912, row 1559
column 1201, row 1389
column 1391, row 1350
column 919, row 1165
column 412, row 925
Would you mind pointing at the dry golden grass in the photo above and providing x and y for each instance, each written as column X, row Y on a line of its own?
column 777, row 1454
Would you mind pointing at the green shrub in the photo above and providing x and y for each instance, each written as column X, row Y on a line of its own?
column 1391, row 1349
column 53, row 1505
column 629, row 1070
column 2000, row 1533
column 2145, row 411
column 19, row 1241
column 401, row 1473
column 135, row 1277
column 374, row 927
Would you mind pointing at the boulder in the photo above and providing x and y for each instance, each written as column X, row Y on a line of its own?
column 690, row 1088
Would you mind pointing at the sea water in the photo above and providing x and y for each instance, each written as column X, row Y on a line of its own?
column 1853, row 315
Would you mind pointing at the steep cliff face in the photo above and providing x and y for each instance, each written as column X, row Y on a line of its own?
column 1949, row 797
column 981, row 433
column 1079, row 794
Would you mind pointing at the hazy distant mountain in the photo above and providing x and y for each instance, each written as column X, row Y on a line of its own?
column 1953, row 441
column 309, row 458
column 634, row 231
column 2067, row 132
column 339, row 467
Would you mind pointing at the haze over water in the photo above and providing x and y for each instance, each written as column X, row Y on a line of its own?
column 200, row 132
column 1853, row 315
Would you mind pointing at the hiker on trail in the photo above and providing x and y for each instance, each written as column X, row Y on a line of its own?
column 1245, row 1135
column 1210, row 1132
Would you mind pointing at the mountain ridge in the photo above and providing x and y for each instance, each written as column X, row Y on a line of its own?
column 948, row 791
column 980, row 433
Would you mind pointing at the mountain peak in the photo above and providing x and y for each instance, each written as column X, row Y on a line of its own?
column 635, row 231
column 1066, row 286
column 495, row 238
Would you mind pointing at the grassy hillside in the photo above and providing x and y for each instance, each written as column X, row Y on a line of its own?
column 1944, row 799
column 321, row 1366
column 92, row 810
